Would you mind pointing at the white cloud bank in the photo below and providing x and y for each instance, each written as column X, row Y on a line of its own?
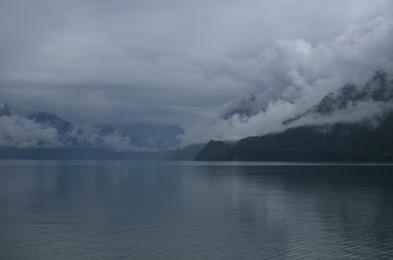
column 21, row 132
column 293, row 76
column 17, row 131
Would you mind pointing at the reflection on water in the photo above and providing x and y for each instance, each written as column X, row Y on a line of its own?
column 144, row 210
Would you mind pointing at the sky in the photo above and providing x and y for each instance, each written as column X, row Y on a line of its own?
column 193, row 64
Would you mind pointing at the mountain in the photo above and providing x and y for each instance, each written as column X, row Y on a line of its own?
column 187, row 153
column 43, row 135
column 338, row 142
column 377, row 89
column 77, row 153
column 216, row 151
column 370, row 139
column 62, row 126
column 160, row 137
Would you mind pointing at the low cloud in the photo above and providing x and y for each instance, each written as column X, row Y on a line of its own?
column 370, row 112
column 190, row 64
column 83, row 135
column 18, row 131
column 294, row 75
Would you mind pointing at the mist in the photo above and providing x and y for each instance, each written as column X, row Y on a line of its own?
column 294, row 75
column 222, row 70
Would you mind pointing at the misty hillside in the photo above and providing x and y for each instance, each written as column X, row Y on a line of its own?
column 42, row 135
column 370, row 139
column 377, row 90
column 187, row 153
column 338, row 142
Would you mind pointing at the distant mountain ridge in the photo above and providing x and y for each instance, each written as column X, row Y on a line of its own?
column 187, row 153
column 42, row 135
column 61, row 125
column 368, row 140
column 377, row 89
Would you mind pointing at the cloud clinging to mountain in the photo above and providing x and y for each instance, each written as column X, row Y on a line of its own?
column 187, row 63
column 294, row 75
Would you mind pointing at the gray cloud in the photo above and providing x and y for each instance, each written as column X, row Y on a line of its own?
column 186, row 63
column 87, row 136
column 16, row 131
column 19, row 131
column 294, row 75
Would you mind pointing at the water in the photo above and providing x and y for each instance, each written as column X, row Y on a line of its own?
column 168, row 210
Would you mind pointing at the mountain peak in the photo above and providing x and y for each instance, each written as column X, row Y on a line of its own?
column 61, row 125
column 5, row 110
column 377, row 89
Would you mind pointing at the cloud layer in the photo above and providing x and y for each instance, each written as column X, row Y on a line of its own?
column 295, row 75
column 194, row 64
column 19, row 131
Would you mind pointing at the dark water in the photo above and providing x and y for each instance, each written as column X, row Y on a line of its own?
column 144, row 210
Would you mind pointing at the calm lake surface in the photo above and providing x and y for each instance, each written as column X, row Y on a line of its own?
column 170, row 210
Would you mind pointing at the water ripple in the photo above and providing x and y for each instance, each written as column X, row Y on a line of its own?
column 132, row 211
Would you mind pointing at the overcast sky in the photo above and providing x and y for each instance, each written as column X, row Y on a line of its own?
column 187, row 63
